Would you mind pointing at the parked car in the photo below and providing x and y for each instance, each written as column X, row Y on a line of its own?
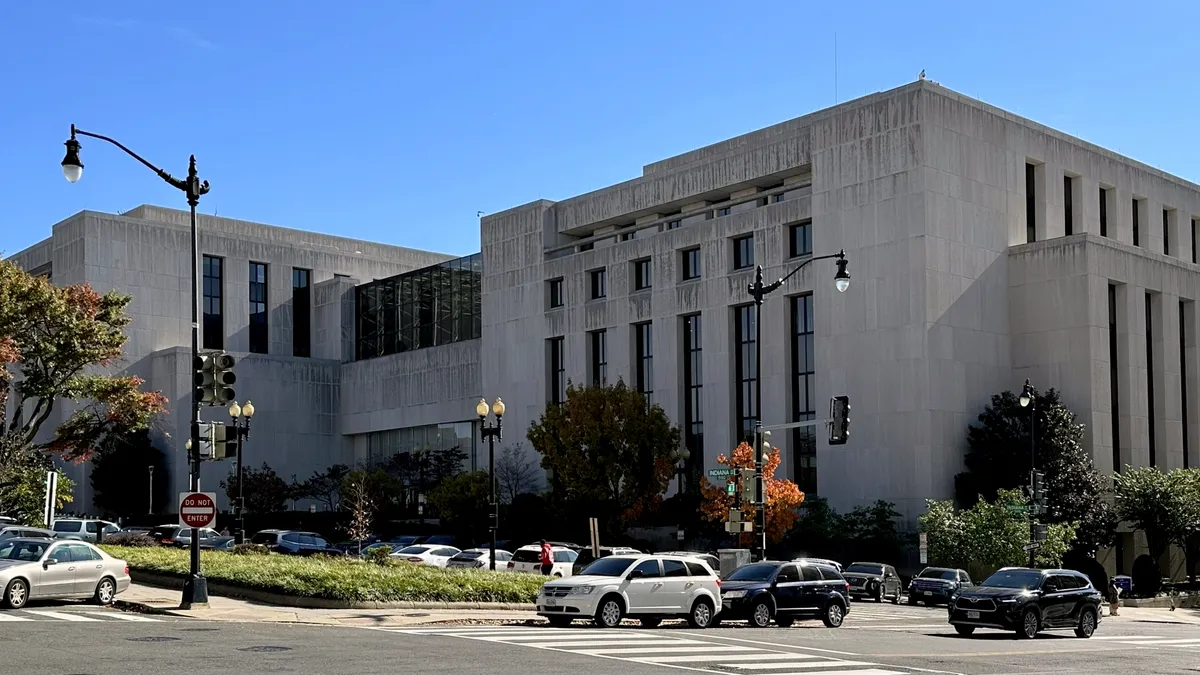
column 874, row 580
column 586, row 558
column 391, row 547
column 709, row 559
column 785, row 591
column 178, row 536
column 10, row 531
column 291, row 542
column 41, row 568
column 407, row 540
column 136, row 529
column 646, row 587
column 1028, row 601
column 218, row 544
column 937, row 585
column 528, row 560
column 79, row 529
column 820, row 561
column 479, row 558
column 425, row 554
column 439, row 540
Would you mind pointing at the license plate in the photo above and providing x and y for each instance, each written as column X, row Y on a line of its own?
column 928, row 592
column 551, row 602
column 972, row 615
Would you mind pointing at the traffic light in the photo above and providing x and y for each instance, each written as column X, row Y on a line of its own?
column 839, row 413
column 214, row 377
column 1038, row 488
column 747, row 484
column 1040, row 532
column 213, row 441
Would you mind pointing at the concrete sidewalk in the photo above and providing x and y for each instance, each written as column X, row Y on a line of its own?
column 166, row 601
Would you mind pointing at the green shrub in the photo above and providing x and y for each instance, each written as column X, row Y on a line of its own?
column 380, row 556
column 251, row 549
column 131, row 539
column 339, row 578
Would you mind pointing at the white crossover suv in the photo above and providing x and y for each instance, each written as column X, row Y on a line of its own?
column 646, row 587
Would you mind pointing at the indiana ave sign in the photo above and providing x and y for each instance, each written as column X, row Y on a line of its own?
column 197, row 509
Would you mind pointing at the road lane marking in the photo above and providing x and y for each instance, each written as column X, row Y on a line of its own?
column 825, row 663
column 727, row 658
column 1183, row 641
column 592, row 643
column 669, row 650
column 559, row 636
column 122, row 616
column 864, row 671
column 1126, row 637
column 821, row 660
column 60, row 615
column 903, row 627
column 783, row 646
column 5, row 616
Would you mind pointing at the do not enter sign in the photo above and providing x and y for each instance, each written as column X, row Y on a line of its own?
column 197, row 509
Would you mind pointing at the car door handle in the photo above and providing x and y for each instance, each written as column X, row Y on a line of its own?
column 100, row 566
column 690, row 584
column 657, row 584
column 71, row 569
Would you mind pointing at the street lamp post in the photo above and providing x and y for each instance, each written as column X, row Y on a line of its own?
column 240, row 415
column 758, row 290
column 491, row 432
column 150, row 494
column 1028, row 399
column 195, row 587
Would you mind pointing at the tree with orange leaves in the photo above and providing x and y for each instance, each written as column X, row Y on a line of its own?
column 782, row 495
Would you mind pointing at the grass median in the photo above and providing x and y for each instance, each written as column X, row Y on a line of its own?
column 339, row 579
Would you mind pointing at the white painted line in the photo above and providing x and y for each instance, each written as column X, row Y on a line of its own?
column 777, row 646
column 516, row 633
column 1126, row 637
column 5, row 616
column 830, row 663
column 822, row 660
column 668, row 650
column 864, row 671
column 905, row 627
column 1184, row 641
column 60, row 615
column 578, row 635
column 728, row 658
column 592, row 643
column 123, row 616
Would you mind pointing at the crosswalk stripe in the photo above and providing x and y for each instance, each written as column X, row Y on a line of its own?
column 728, row 659
column 908, row 627
column 864, row 671
column 5, row 616
column 818, row 660
column 827, row 663
column 1183, row 641
column 667, row 650
column 60, row 615
column 641, row 643
column 1126, row 637
column 534, row 639
column 122, row 616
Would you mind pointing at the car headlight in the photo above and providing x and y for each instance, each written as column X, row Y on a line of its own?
column 1006, row 601
column 582, row 590
column 734, row 594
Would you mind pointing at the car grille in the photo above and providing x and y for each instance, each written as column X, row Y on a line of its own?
column 979, row 605
column 555, row 592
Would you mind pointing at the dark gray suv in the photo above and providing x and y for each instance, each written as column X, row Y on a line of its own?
column 293, row 542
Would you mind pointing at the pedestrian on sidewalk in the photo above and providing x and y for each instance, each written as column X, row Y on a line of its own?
column 547, row 559
column 1114, row 597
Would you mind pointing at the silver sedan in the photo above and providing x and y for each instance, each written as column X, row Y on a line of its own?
column 41, row 569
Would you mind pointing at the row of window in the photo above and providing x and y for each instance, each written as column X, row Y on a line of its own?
column 1140, row 217
column 802, row 381
column 1154, row 307
column 213, row 322
column 799, row 245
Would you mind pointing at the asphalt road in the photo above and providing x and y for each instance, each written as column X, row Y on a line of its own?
column 76, row 640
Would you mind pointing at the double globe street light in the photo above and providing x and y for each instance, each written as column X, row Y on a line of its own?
column 491, row 432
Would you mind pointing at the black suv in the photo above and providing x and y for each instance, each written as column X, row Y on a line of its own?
column 784, row 591
column 937, row 584
column 873, row 580
column 1027, row 601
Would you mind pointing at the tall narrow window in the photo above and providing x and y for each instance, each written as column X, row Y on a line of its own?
column 643, row 347
column 1114, row 390
column 800, row 239
column 743, row 252
column 693, row 386
column 1030, row 203
column 1166, row 231
column 1150, row 375
column 258, row 308
column 1195, row 233
column 557, row 377
column 555, row 288
column 214, row 320
column 691, row 264
column 599, row 283
column 1068, row 210
column 301, row 312
column 642, row 278
column 598, row 349
column 1183, row 381
column 1103, row 212
column 1137, row 223
column 746, row 377
column 804, row 380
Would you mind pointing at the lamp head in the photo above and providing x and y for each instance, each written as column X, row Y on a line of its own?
column 1026, row 395
column 235, row 410
column 72, row 168
column 481, row 408
column 841, row 280
column 248, row 410
column 188, row 445
column 498, row 407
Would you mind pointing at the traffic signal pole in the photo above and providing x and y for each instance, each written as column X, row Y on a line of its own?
column 195, row 587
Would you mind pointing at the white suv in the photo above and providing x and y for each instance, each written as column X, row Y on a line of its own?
column 647, row 587
column 528, row 560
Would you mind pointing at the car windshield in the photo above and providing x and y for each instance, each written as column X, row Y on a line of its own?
column 753, row 573
column 865, row 569
column 1022, row 579
column 948, row 575
column 67, row 525
column 414, row 550
column 28, row 551
column 469, row 555
column 608, row 567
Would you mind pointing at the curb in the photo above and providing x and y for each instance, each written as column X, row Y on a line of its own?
column 281, row 600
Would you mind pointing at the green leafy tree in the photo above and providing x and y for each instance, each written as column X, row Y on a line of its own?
column 1190, row 483
column 1156, row 503
column 999, row 459
column 870, row 531
column 991, row 534
column 607, row 453
column 23, row 488
column 265, row 491
column 117, row 465
column 462, row 504
column 324, row 486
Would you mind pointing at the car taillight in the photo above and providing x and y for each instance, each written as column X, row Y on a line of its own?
column 511, row 564
column 414, row 559
column 167, row 541
column 127, row 570
column 718, row 583
column 847, row 588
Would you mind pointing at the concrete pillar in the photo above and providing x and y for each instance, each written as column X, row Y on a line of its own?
column 1131, row 380
column 1191, row 373
column 1168, row 430
column 1152, row 224
column 1087, row 207
column 1120, row 211
column 1051, row 203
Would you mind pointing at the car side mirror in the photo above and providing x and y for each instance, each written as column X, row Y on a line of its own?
column 48, row 562
column 636, row 574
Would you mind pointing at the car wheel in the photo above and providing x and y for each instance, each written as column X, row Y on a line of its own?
column 559, row 621
column 760, row 615
column 784, row 621
column 1029, row 625
column 17, row 594
column 833, row 615
column 650, row 623
column 879, row 594
column 701, row 615
column 965, row 630
column 912, row 600
column 610, row 612
column 106, row 590
column 1087, row 624
column 896, row 597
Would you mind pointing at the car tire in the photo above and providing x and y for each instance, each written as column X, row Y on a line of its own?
column 784, row 621
column 1087, row 623
column 702, row 614
column 912, row 600
column 609, row 612
column 559, row 621
column 650, row 623
column 1029, row 626
column 761, row 614
column 879, row 594
column 106, row 592
column 965, row 631
column 896, row 597
column 16, row 594
column 834, row 615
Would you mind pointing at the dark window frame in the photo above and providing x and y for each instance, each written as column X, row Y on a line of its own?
column 1030, row 203
column 745, row 377
column 693, row 385
column 598, row 357
column 598, row 284
column 1104, row 211
column 213, row 276
column 557, row 367
column 800, row 239
column 554, row 288
column 1114, row 380
column 1150, row 412
column 259, row 328
column 1068, row 205
column 689, row 264
column 643, row 341
column 643, row 274
column 1166, row 231
column 1137, row 221
column 804, row 389
column 743, row 251
column 301, row 312
column 1183, row 382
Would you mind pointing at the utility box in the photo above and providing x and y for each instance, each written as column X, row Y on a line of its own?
column 733, row 558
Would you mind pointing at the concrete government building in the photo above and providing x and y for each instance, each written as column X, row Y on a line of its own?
column 984, row 249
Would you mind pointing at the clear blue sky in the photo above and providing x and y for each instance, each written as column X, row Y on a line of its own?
column 397, row 121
